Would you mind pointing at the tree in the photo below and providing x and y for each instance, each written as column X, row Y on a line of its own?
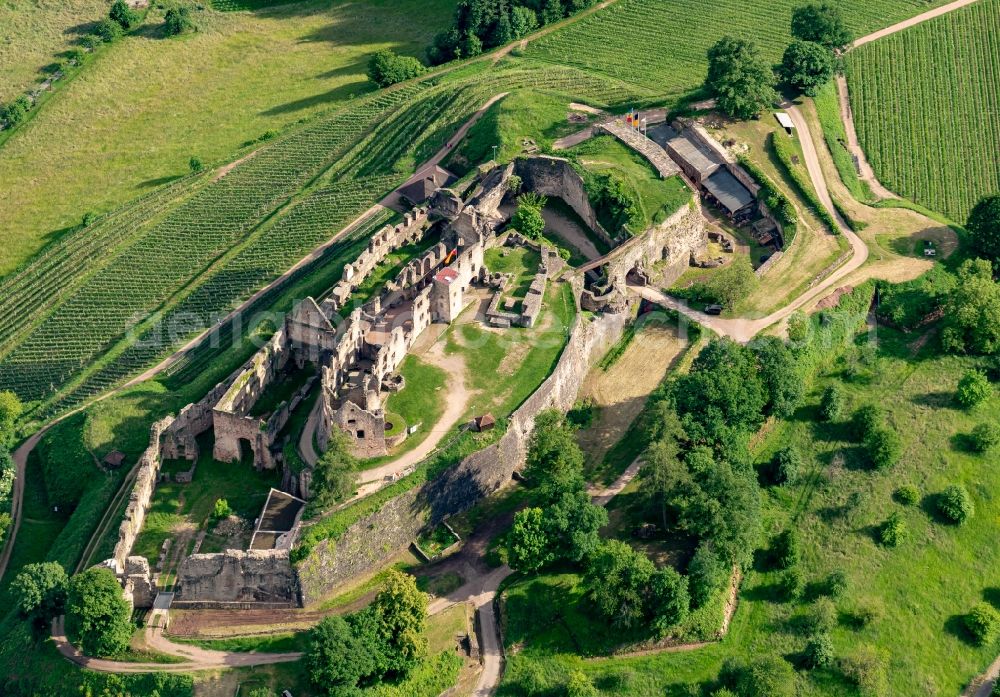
column 123, row 15
column 806, row 66
column 984, row 228
column 787, row 465
column 97, row 616
column 335, row 659
column 706, row 574
column 528, row 545
column 866, row 668
column 821, row 23
column 335, row 474
column 836, row 584
column 573, row 525
column 831, row 403
column 523, row 21
column 40, row 590
column 221, row 509
column 195, row 164
column 514, row 184
column 386, row 68
column 984, row 437
column 884, row 447
column 15, row 112
column 555, row 462
column 785, row 549
column 740, row 79
column 663, row 470
column 821, row 616
column 668, row 600
column 617, row 580
column 791, row 583
column 973, row 388
column 907, row 494
column 972, row 311
column 865, row 420
column 552, row 11
column 503, row 30
column 401, row 609
column 819, row 650
column 955, row 504
column 108, row 30
column 767, row 676
column 527, row 219
column 178, row 20
column 983, row 623
column 10, row 412
column 780, row 374
column 471, row 46
column 893, row 531
column 733, row 282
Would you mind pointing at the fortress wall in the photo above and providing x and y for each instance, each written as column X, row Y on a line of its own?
column 371, row 540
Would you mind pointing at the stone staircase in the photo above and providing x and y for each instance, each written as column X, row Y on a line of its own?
column 656, row 155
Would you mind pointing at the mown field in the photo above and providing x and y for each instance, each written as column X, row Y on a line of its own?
column 136, row 114
column 926, row 102
column 661, row 44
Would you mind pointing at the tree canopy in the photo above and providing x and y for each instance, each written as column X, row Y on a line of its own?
column 178, row 20
column 10, row 411
column 336, row 659
column 739, row 77
column 972, row 311
column 40, row 590
column 822, row 24
column 386, row 68
column 984, row 228
column 335, row 474
column 806, row 66
column 97, row 615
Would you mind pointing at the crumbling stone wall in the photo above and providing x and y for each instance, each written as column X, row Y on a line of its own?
column 555, row 176
column 367, row 543
column 257, row 576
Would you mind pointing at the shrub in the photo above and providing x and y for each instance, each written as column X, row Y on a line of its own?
column 819, row 650
column 706, row 574
column 123, row 15
column 15, row 112
column 893, row 531
column 865, row 420
column 108, row 30
column 955, row 504
column 791, row 583
column 528, row 218
column 178, row 20
column 195, row 164
column 984, row 437
column 785, row 549
column 866, row 612
column 831, row 404
column 907, row 494
column 836, row 584
column 866, row 668
column 983, row 623
column 787, row 465
column 386, row 68
column 221, row 509
column 884, row 447
column 973, row 388
column 821, row 616
column 767, row 676
column 579, row 685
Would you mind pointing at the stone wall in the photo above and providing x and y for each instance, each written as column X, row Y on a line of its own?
column 257, row 576
column 555, row 176
column 367, row 543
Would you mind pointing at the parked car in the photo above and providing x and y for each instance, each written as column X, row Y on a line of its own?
column 713, row 309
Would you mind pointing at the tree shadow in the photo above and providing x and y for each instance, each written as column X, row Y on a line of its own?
column 929, row 505
column 955, row 625
column 992, row 596
column 345, row 91
column 936, row 400
column 963, row 443
column 80, row 30
column 159, row 181
column 833, row 431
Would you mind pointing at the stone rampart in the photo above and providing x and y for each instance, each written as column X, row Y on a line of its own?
column 257, row 576
column 371, row 540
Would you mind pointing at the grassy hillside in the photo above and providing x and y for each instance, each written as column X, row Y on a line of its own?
column 661, row 44
column 926, row 102
column 137, row 113
column 917, row 593
column 34, row 34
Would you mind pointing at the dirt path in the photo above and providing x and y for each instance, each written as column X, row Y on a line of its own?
column 912, row 21
column 865, row 171
column 982, row 685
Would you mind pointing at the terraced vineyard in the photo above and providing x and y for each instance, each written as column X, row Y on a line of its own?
column 927, row 108
column 661, row 44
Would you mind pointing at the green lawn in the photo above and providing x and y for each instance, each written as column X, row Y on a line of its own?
column 135, row 115
column 658, row 198
column 521, row 262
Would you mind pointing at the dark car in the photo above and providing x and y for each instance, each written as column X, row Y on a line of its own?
column 713, row 309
